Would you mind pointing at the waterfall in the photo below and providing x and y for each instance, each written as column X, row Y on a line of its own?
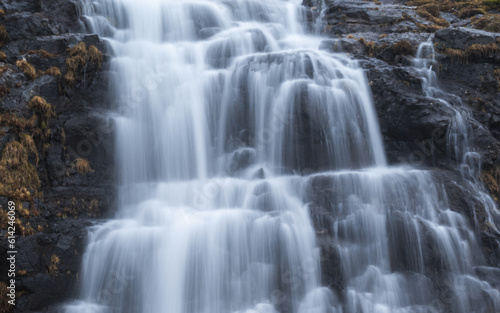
column 459, row 132
column 233, row 131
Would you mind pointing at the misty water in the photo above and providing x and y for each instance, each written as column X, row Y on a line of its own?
column 228, row 117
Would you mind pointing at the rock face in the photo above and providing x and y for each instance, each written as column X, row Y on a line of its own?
column 47, row 34
column 384, row 37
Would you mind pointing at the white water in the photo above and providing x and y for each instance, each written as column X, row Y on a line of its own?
column 459, row 134
column 224, row 105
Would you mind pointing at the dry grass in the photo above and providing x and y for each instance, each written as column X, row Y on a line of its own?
column 496, row 74
column 53, row 71
column 43, row 53
column 79, row 56
column 489, row 22
column 4, row 91
column 82, row 166
column 461, row 8
column 28, row 142
column 69, row 77
column 3, row 56
column 5, row 307
column 95, row 55
column 428, row 28
column 54, row 263
column 42, row 107
column 430, row 17
column 370, row 46
column 27, row 68
column 403, row 47
column 19, row 123
column 473, row 51
column 17, row 174
column 4, row 36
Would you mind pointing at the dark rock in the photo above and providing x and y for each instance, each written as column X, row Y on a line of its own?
column 461, row 38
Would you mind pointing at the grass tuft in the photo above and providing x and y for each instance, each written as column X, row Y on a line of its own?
column 42, row 107
column 83, row 166
column 27, row 68
column 53, row 71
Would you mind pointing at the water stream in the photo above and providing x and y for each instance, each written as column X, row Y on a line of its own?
column 230, row 120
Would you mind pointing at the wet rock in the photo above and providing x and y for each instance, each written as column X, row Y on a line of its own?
column 461, row 38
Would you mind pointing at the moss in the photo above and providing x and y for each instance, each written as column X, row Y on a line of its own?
column 27, row 68
column 79, row 56
column 82, row 166
column 490, row 23
column 3, row 56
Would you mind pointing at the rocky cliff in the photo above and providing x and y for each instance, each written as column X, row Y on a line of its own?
column 57, row 147
column 57, row 144
column 385, row 35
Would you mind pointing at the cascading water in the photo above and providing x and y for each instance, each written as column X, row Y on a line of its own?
column 224, row 107
column 459, row 132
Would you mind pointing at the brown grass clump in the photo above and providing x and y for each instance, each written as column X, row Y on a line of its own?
column 490, row 23
column 53, row 71
column 54, row 263
column 428, row 28
column 2, row 12
column 43, row 53
column 3, row 56
column 79, row 56
column 436, row 20
column 19, row 123
column 27, row 68
column 3, row 91
column 475, row 50
column 5, row 307
column 83, row 166
column 478, row 50
column 16, row 172
column 95, row 55
column 4, row 36
column 28, row 142
column 431, row 8
column 69, row 77
column 42, row 107
column 403, row 47
column 496, row 74
column 467, row 12
column 370, row 46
